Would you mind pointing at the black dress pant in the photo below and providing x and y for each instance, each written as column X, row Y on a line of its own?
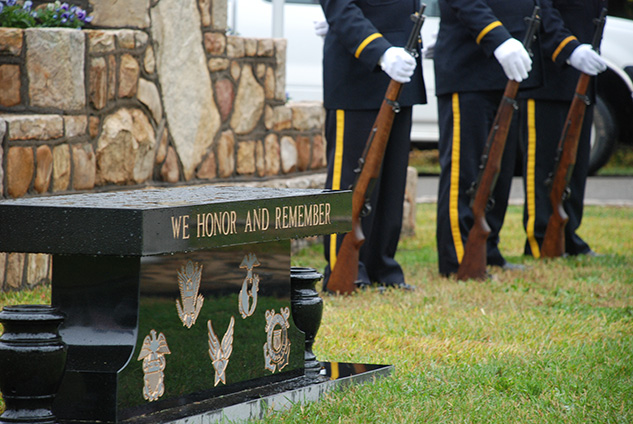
column 346, row 132
column 465, row 120
column 540, row 126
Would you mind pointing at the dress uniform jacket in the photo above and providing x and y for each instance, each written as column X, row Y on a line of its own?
column 360, row 32
column 543, row 112
column 470, row 31
column 571, row 24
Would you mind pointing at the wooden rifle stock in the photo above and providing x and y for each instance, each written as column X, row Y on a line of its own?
column 345, row 271
column 473, row 263
column 554, row 241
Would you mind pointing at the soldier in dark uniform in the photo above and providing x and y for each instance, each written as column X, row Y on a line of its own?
column 363, row 50
column 542, row 116
column 477, row 51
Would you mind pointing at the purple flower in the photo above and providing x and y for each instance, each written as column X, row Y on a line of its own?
column 65, row 16
column 1, row 7
column 27, row 5
column 11, row 2
column 81, row 14
column 64, row 6
column 88, row 19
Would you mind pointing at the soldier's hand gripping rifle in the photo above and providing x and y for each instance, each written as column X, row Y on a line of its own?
column 473, row 264
column 554, row 240
column 345, row 271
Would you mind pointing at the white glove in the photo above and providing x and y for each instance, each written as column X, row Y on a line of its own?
column 398, row 64
column 429, row 47
column 514, row 59
column 321, row 28
column 585, row 59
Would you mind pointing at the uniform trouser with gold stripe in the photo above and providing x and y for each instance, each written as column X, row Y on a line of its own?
column 465, row 120
column 540, row 126
column 346, row 132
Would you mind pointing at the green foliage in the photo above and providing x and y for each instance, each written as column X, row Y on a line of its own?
column 20, row 15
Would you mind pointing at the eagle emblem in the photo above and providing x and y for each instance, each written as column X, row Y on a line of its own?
column 220, row 353
column 249, row 262
column 189, row 283
column 153, row 356
column 277, row 346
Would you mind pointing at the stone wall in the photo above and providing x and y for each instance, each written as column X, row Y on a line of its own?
column 155, row 93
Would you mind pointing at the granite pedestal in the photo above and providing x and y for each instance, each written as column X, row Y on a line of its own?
column 174, row 298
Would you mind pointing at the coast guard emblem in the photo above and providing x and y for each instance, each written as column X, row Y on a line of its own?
column 249, row 262
column 153, row 355
column 277, row 346
column 189, row 283
column 220, row 353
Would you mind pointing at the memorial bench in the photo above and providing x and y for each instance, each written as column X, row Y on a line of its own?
column 172, row 297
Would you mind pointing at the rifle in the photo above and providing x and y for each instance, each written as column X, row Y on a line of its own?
column 345, row 271
column 554, row 240
column 473, row 264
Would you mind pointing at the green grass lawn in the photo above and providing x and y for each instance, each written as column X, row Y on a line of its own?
column 552, row 344
column 427, row 162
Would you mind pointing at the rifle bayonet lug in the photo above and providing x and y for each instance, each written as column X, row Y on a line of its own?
column 361, row 163
column 513, row 102
column 490, row 204
column 394, row 105
column 366, row 209
column 585, row 99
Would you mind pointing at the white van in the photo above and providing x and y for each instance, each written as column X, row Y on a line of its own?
column 614, row 109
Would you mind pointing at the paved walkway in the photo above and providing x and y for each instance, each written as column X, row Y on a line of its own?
column 600, row 190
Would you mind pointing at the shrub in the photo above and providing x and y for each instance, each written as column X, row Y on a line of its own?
column 21, row 15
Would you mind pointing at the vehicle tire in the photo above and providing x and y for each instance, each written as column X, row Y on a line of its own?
column 604, row 133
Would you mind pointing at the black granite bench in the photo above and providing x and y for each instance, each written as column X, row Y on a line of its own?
column 174, row 295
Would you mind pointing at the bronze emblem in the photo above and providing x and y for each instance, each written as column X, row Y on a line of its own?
column 220, row 353
column 277, row 346
column 189, row 283
column 249, row 262
column 153, row 355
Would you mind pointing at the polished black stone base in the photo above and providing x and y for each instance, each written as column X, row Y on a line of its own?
column 255, row 402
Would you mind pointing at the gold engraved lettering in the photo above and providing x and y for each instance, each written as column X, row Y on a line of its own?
column 277, row 346
column 249, row 262
column 201, row 225
column 292, row 217
column 248, row 226
column 153, row 356
column 178, row 224
column 189, row 284
column 261, row 219
column 308, row 216
column 220, row 353
column 216, row 223
column 301, row 216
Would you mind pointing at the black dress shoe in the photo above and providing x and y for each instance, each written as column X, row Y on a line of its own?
column 401, row 286
column 508, row 266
